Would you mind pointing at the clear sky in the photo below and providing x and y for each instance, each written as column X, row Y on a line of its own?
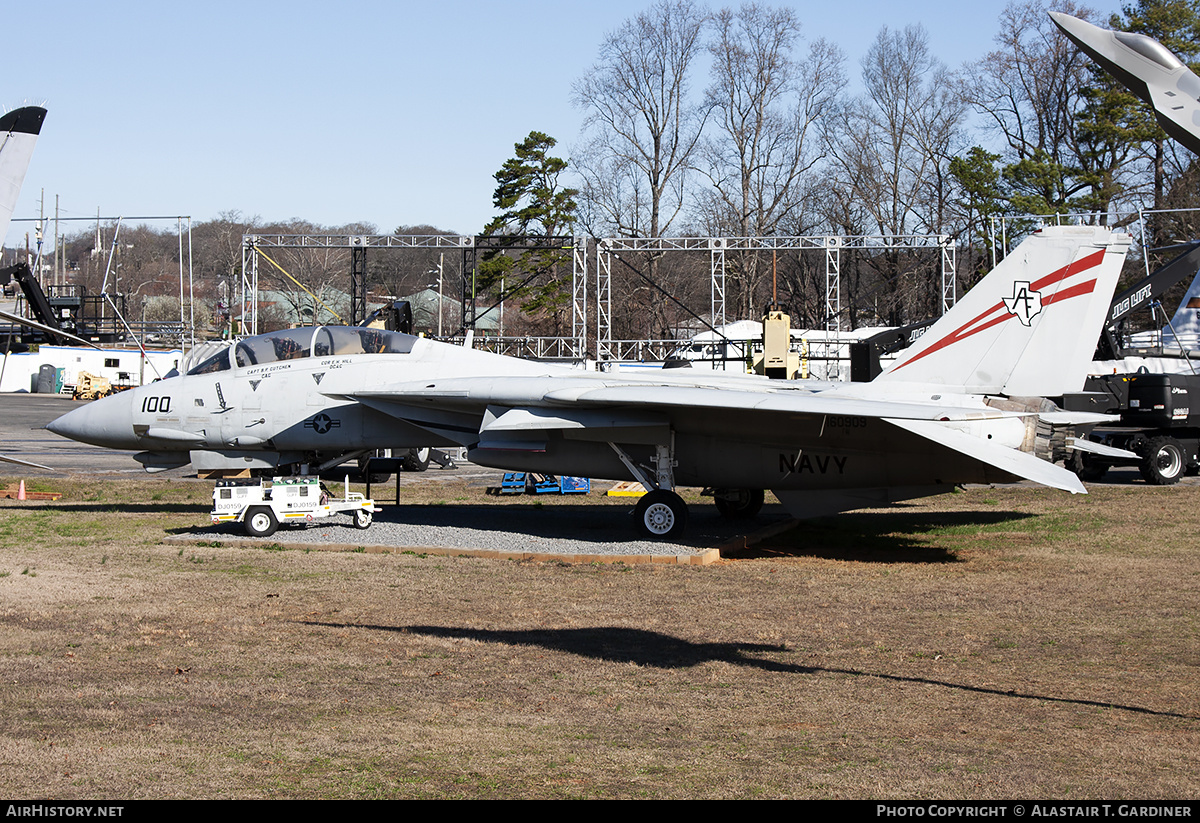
column 391, row 113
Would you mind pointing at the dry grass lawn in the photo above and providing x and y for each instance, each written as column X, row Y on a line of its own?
column 997, row 643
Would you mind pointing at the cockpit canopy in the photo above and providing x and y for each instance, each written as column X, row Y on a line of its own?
column 1151, row 49
column 293, row 344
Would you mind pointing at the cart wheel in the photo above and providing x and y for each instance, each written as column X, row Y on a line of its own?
column 1086, row 467
column 661, row 514
column 261, row 522
column 362, row 518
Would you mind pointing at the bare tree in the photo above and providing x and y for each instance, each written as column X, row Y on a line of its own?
column 891, row 150
column 896, row 139
column 1029, row 90
column 641, row 125
column 766, row 106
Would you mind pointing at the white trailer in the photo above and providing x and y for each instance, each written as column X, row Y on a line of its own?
column 262, row 505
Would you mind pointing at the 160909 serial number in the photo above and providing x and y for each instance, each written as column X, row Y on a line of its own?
column 840, row 422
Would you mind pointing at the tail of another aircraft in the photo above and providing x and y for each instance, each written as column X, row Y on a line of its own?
column 1030, row 327
column 18, row 132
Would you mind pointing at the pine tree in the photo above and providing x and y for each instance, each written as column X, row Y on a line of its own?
column 532, row 205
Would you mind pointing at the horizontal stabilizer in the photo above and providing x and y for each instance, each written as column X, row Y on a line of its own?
column 1077, row 418
column 1081, row 445
column 1018, row 463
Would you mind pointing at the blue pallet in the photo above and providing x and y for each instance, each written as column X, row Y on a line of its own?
column 522, row 483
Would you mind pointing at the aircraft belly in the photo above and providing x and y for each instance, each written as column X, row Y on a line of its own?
column 829, row 462
column 866, row 455
column 571, row 458
column 385, row 431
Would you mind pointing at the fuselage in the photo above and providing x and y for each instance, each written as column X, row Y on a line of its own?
column 305, row 395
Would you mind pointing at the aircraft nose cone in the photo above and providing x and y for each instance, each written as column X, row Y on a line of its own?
column 106, row 422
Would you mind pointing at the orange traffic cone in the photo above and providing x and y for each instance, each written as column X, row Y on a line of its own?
column 21, row 491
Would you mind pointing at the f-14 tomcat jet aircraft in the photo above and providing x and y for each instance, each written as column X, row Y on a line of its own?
column 948, row 413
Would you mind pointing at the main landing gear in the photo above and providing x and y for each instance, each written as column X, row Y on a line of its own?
column 738, row 504
column 661, row 514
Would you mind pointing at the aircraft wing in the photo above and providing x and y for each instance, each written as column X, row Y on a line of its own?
column 567, row 394
column 518, row 411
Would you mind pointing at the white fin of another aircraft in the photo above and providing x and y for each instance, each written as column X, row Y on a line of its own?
column 19, row 131
column 1148, row 69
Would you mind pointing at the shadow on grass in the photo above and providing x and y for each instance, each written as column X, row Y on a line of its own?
column 895, row 536
column 111, row 508
column 607, row 525
column 647, row 648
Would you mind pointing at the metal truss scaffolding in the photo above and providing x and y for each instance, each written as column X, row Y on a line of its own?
column 482, row 246
column 472, row 247
column 358, row 245
column 718, row 247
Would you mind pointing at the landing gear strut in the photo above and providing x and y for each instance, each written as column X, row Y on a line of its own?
column 661, row 514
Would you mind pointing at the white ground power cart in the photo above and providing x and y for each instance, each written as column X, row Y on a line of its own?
column 262, row 505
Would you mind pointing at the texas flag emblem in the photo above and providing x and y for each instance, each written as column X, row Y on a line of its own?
column 1025, row 304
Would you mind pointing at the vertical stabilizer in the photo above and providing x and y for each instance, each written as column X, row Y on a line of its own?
column 19, row 130
column 1029, row 328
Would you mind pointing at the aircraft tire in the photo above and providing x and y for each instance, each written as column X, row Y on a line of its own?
column 739, row 504
column 1087, row 468
column 417, row 460
column 372, row 477
column 1163, row 461
column 661, row 514
column 260, row 522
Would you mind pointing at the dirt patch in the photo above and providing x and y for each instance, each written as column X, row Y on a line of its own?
column 994, row 644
